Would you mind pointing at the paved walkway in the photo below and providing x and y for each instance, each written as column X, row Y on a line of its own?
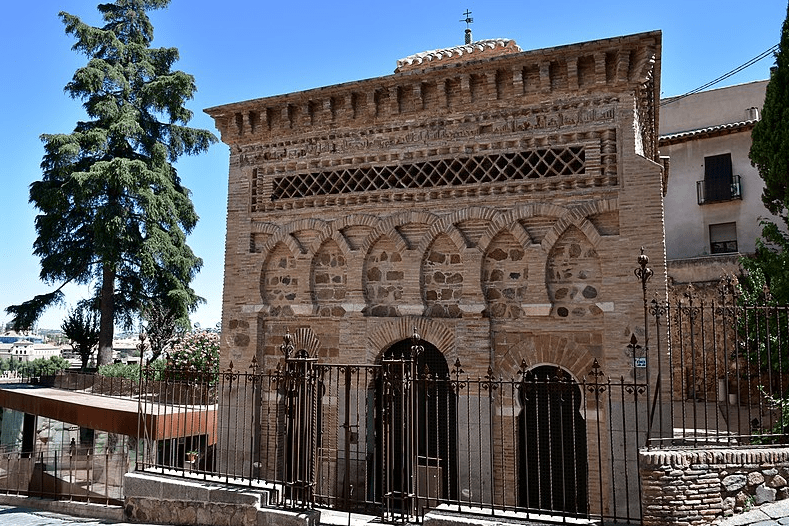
column 18, row 516
column 774, row 514
column 771, row 514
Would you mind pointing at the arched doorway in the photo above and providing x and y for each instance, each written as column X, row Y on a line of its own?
column 552, row 461
column 415, row 428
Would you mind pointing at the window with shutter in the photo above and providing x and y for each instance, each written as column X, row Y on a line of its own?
column 723, row 238
column 717, row 178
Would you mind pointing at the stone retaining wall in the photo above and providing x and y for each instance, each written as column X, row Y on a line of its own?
column 696, row 487
column 165, row 500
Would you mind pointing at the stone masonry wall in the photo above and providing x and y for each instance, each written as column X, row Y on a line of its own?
column 150, row 498
column 698, row 487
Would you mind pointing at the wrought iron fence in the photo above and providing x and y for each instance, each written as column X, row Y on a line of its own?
column 90, row 383
column 400, row 437
column 728, row 370
column 75, row 473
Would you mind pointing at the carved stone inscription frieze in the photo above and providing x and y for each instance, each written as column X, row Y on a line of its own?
column 533, row 120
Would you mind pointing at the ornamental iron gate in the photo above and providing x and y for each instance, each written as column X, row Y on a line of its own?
column 403, row 436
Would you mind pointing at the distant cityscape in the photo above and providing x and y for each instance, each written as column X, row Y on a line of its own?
column 27, row 346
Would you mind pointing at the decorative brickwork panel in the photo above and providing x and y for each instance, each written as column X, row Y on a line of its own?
column 504, row 277
column 573, row 276
column 329, row 280
column 384, row 271
column 280, row 281
column 442, row 279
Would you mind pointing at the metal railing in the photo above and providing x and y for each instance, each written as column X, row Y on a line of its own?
column 714, row 192
column 91, row 383
column 729, row 371
column 78, row 474
column 396, row 439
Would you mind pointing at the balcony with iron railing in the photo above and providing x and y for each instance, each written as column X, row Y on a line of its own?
column 712, row 191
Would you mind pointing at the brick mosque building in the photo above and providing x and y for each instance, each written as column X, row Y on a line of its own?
column 492, row 200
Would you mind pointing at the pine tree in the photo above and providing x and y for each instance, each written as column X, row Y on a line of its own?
column 113, row 211
column 770, row 154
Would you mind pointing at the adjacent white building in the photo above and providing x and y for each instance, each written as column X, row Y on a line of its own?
column 713, row 203
column 27, row 351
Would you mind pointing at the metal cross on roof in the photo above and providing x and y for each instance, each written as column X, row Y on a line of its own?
column 468, row 18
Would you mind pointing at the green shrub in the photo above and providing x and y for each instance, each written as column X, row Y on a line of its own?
column 130, row 371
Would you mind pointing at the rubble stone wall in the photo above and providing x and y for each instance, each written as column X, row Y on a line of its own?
column 698, row 486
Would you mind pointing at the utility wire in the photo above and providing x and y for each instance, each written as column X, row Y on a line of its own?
column 723, row 77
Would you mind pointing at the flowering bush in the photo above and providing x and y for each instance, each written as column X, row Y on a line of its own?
column 194, row 352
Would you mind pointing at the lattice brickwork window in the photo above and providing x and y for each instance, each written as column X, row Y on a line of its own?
column 494, row 168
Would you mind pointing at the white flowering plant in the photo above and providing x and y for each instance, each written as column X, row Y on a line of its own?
column 194, row 352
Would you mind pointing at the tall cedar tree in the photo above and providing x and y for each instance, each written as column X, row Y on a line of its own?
column 113, row 211
column 770, row 154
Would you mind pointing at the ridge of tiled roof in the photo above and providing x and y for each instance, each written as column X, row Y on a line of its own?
column 426, row 59
column 707, row 130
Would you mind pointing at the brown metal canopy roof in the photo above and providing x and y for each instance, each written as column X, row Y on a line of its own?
column 125, row 416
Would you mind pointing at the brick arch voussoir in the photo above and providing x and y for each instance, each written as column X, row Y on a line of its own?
column 305, row 339
column 357, row 220
column 284, row 235
column 395, row 330
column 517, row 231
column 449, row 230
column 472, row 212
column 576, row 218
column 538, row 209
column 260, row 227
column 505, row 221
column 538, row 351
column 518, row 214
column 325, row 233
column 448, row 225
column 310, row 223
column 388, row 227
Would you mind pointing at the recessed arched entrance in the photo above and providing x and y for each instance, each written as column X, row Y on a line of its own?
column 552, row 463
column 415, row 419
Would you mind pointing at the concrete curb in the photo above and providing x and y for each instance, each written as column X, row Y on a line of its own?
column 76, row 509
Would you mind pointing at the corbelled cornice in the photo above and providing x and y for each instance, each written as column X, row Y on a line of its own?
column 615, row 65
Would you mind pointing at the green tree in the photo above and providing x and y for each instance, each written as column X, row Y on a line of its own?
column 163, row 325
column 113, row 211
column 43, row 367
column 770, row 154
column 81, row 327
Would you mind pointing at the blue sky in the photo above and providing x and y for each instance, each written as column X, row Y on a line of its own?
column 240, row 49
